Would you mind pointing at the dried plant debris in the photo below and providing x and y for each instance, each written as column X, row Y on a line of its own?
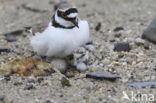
column 33, row 9
column 102, row 75
column 65, row 82
column 142, row 84
column 122, row 46
column 27, row 66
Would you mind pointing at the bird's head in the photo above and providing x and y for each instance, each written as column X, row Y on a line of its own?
column 67, row 16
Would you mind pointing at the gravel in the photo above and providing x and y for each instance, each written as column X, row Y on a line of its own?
column 133, row 66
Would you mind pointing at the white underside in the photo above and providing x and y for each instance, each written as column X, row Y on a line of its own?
column 56, row 42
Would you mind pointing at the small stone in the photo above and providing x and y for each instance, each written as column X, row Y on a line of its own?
column 146, row 45
column 122, row 46
column 142, row 84
column 150, row 32
column 31, row 80
column 139, row 41
column 98, row 27
column 120, row 56
column 4, row 50
column 117, row 35
column 48, row 101
column 10, row 38
column 28, row 87
column 117, row 63
column 40, row 79
column 118, row 29
column 18, row 83
column 7, row 78
column 102, row 75
column 65, row 82
column 1, row 97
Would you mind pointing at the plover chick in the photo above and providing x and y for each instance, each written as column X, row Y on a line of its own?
column 65, row 33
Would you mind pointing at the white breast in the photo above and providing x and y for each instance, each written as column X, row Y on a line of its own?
column 60, row 42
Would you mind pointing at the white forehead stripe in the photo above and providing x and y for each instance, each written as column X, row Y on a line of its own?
column 72, row 15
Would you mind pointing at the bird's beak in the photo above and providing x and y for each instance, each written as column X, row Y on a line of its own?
column 75, row 22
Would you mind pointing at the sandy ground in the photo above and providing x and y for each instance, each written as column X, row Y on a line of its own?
column 137, row 65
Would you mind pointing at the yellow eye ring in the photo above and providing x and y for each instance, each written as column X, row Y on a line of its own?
column 64, row 16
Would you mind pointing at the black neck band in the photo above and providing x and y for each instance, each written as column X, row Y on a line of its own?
column 57, row 25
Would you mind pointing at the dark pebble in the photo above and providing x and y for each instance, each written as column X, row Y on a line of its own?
column 118, row 29
column 146, row 45
column 39, row 80
column 18, row 83
column 48, row 101
column 4, row 50
column 150, row 32
column 154, row 68
column 1, row 97
column 142, row 84
column 7, row 78
column 47, row 72
column 120, row 56
column 28, row 87
column 10, row 38
column 102, row 75
column 122, row 46
column 98, row 27
column 112, row 40
column 118, row 35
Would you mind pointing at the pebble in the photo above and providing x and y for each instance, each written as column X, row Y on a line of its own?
column 1, row 97
column 139, row 41
column 102, row 75
column 18, row 83
column 48, row 101
column 40, row 79
column 98, row 27
column 142, row 84
column 122, row 46
column 4, row 50
column 118, row 29
column 10, row 38
column 28, row 87
column 117, row 35
column 31, row 80
column 146, row 45
column 150, row 32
